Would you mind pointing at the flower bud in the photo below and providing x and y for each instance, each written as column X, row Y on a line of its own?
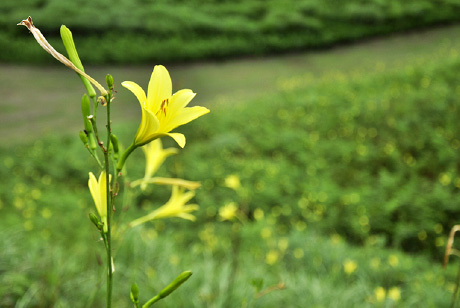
column 84, row 138
column 69, row 45
column 95, row 221
column 175, row 284
column 134, row 294
column 86, row 112
column 109, row 80
column 115, row 145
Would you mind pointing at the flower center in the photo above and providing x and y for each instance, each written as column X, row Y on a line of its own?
column 164, row 105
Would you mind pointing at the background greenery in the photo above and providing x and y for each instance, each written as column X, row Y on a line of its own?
column 109, row 31
column 349, row 177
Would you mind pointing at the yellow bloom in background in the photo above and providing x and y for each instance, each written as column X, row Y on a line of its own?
column 380, row 294
column 393, row 261
column 394, row 293
column 228, row 211
column 155, row 155
column 233, row 181
column 161, row 111
column 98, row 189
column 258, row 214
column 349, row 266
column 175, row 207
column 272, row 257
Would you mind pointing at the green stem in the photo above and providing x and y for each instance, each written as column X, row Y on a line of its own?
column 151, row 301
column 109, row 209
column 94, row 155
column 455, row 294
column 124, row 156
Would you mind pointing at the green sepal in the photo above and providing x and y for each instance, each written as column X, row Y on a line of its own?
column 69, row 45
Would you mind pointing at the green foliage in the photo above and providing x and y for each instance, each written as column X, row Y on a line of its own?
column 160, row 31
column 367, row 158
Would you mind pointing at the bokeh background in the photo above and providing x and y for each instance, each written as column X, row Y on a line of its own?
column 333, row 127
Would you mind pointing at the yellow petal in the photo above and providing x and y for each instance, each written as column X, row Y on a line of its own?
column 178, row 137
column 176, row 182
column 103, row 194
column 187, row 216
column 184, row 116
column 137, row 90
column 180, row 100
column 94, row 190
column 155, row 155
column 160, row 88
column 148, row 128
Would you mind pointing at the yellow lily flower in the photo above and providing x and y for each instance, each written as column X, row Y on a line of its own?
column 161, row 111
column 175, row 207
column 98, row 189
column 155, row 155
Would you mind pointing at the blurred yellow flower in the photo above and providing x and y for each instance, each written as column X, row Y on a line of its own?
column 266, row 233
column 298, row 253
column 162, row 111
column 283, row 244
column 28, row 225
column 380, row 294
column 175, row 207
column 155, row 155
column 375, row 263
column 228, row 211
column 233, row 181
column 258, row 214
column 394, row 293
column 393, row 261
column 98, row 189
column 349, row 266
column 271, row 257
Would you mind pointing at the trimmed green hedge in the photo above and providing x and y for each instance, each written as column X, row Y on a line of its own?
column 166, row 31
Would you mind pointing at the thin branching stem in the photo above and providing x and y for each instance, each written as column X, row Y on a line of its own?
column 109, row 208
